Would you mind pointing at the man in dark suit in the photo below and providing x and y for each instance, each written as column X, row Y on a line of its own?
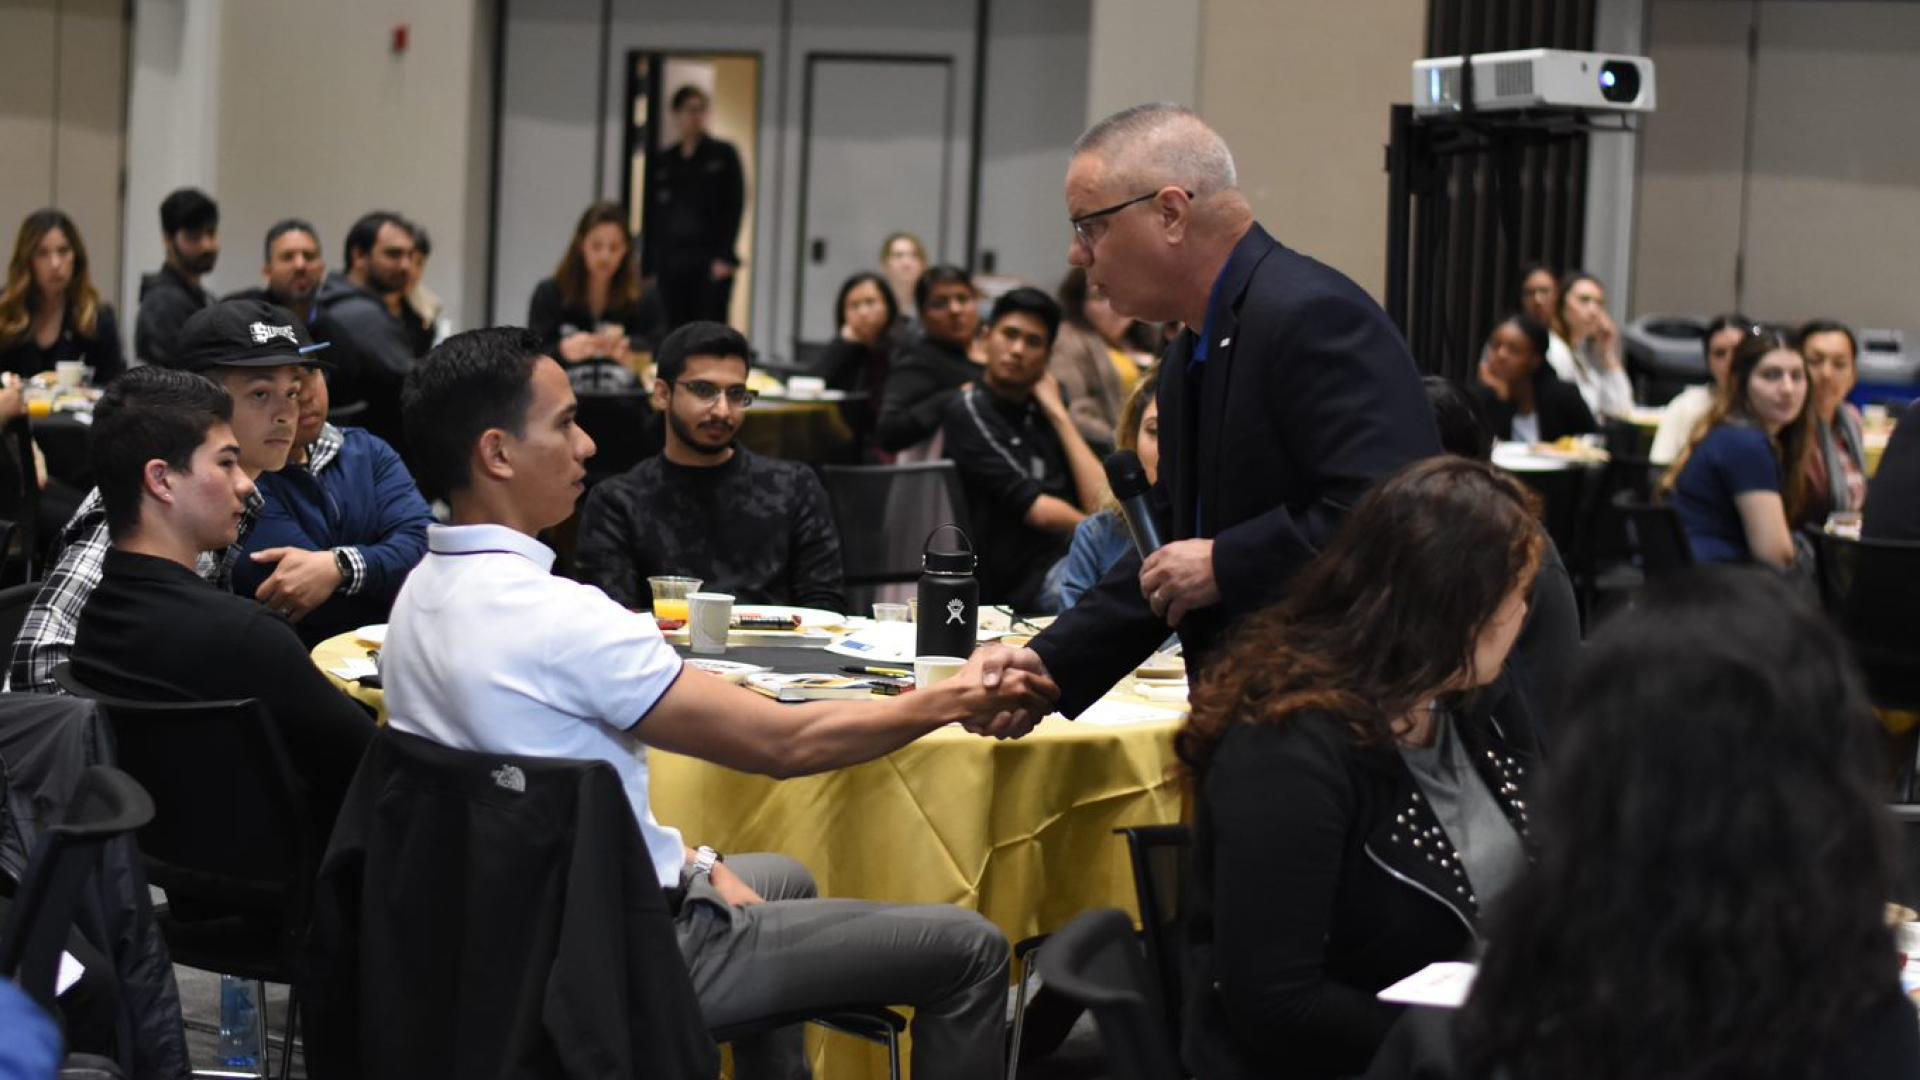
column 1289, row 394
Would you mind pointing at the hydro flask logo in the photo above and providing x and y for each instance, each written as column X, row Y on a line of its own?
column 956, row 609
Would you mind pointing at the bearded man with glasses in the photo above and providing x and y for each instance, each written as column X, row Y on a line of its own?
column 1286, row 397
column 755, row 527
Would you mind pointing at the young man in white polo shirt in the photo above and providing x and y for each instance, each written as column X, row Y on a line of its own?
column 487, row 650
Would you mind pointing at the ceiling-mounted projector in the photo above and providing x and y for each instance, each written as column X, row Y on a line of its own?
column 1536, row 79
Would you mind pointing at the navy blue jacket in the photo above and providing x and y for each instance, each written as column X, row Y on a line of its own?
column 360, row 497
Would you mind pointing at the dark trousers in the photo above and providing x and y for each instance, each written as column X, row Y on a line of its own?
column 689, row 293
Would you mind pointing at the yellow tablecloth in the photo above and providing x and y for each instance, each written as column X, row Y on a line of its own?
column 1019, row 831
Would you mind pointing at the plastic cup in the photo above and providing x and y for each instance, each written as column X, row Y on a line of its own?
column 69, row 374
column 709, row 614
column 884, row 612
column 39, row 402
column 670, row 592
column 934, row 670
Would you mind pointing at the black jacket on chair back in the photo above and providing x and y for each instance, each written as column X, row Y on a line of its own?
column 481, row 915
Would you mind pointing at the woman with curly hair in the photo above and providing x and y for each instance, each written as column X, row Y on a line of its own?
column 1359, row 763
column 1714, row 863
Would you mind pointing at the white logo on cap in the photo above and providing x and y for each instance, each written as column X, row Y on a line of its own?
column 263, row 333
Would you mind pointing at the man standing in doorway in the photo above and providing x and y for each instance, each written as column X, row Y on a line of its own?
column 1286, row 397
column 698, row 193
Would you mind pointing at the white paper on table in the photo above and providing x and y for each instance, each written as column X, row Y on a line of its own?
column 1123, row 714
column 1443, row 986
column 69, row 973
column 353, row 668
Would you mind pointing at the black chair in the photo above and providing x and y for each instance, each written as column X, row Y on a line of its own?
column 1601, row 560
column 106, row 803
column 20, row 495
column 1657, row 536
column 624, row 429
column 871, row 1023
column 1561, row 492
column 9, row 541
column 1159, row 854
column 1871, row 590
column 14, row 602
column 884, row 514
column 229, row 842
column 1094, row 960
column 1906, row 817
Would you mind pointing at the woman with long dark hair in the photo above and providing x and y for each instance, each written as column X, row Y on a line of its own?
column 858, row 358
column 1359, row 767
column 1714, row 862
column 1518, row 395
column 50, row 311
column 594, row 307
column 1743, row 481
column 1837, row 460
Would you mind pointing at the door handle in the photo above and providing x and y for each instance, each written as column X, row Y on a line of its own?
column 819, row 251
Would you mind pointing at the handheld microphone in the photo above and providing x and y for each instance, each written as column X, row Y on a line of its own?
column 1127, row 478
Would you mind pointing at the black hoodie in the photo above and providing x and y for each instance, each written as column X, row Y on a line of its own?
column 167, row 300
column 371, row 352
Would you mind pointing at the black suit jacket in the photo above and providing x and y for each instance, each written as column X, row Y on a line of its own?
column 1307, row 396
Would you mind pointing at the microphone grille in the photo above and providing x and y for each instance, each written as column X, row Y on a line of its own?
column 1125, row 475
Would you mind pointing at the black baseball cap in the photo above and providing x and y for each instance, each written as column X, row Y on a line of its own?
column 244, row 333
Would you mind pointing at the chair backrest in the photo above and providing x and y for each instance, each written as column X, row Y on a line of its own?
column 623, row 426
column 1871, row 588
column 1656, row 533
column 105, row 803
column 1094, row 961
column 1159, row 854
column 1906, row 817
column 1561, row 493
column 14, row 602
column 20, row 492
column 230, row 826
column 884, row 514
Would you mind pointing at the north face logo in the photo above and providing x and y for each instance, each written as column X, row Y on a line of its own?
column 510, row 777
column 263, row 333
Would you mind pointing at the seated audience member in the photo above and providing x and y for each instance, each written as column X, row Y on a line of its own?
column 1540, row 299
column 1689, row 407
column 419, row 308
column 1357, row 806
column 594, row 307
column 293, row 270
column 857, row 359
column 757, row 528
column 254, row 351
column 1742, row 482
column 174, row 487
column 1837, row 461
column 1695, row 912
column 341, row 525
column 371, row 349
column 927, row 373
column 1095, row 359
column 903, row 258
column 1550, row 638
column 489, row 651
column 1518, row 395
column 1595, row 362
column 190, row 229
column 1893, row 498
column 50, row 311
column 1030, row 478
column 1102, row 540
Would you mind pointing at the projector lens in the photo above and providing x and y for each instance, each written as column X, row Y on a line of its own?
column 1620, row 81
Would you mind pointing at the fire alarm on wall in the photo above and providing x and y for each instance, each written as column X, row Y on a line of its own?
column 401, row 32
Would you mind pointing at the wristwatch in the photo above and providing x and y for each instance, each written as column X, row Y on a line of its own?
column 345, row 564
column 703, row 859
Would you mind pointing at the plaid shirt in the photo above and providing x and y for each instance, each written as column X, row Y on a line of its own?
column 46, row 637
column 323, row 452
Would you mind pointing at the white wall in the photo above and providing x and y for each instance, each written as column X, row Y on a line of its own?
column 1612, row 160
column 1036, row 105
column 1143, row 50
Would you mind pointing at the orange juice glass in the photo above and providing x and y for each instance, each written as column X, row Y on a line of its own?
column 670, row 594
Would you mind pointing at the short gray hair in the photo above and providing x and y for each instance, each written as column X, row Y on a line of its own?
column 1162, row 143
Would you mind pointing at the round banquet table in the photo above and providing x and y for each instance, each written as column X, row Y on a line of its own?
column 1020, row 831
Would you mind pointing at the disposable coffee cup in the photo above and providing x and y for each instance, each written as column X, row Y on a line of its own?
column 709, row 615
column 934, row 670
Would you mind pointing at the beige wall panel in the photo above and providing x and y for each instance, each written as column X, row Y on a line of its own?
column 93, row 93
column 1301, row 91
column 1833, row 221
column 1688, row 230
column 26, row 113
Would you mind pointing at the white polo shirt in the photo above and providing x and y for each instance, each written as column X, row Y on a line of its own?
column 487, row 650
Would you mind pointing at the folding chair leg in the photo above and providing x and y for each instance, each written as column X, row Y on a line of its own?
column 292, row 1030
column 1019, row 1016
column 263, row 1057
column 893, row 1054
